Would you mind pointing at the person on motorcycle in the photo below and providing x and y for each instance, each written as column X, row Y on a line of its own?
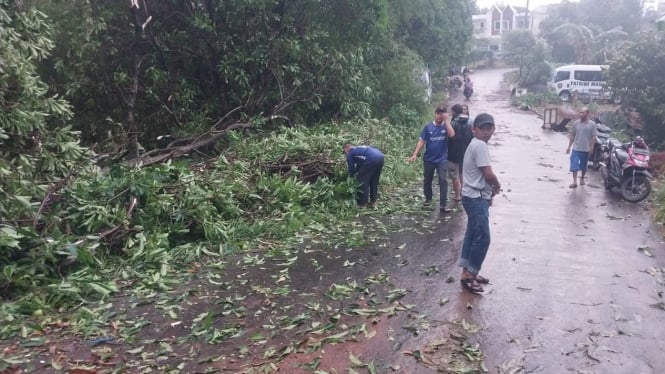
column 583, row 135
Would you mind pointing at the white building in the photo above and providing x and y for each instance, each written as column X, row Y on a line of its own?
column 502, row 18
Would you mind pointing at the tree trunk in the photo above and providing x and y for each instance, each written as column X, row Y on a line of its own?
column 137, row 56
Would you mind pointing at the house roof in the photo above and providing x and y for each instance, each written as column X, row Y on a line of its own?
column 502, row 8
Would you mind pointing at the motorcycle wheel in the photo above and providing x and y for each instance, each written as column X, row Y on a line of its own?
column 606, row 178
column 637, row 191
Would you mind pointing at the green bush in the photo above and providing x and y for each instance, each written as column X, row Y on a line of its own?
column 404, row 115
column 538, row 99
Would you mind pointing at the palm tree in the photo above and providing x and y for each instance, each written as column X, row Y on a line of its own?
column 578, row 36
column 607, row 42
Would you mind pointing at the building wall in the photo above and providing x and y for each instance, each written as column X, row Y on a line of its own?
column 496, row 17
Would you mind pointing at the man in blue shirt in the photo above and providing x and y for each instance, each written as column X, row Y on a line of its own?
column 434, row 136
column 365, row 163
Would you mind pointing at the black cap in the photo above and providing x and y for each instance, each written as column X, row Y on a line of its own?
column 483, row 119
column 440, row 109
column 457, row 109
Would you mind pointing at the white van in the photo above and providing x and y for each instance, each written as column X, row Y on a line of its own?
column 585, row 80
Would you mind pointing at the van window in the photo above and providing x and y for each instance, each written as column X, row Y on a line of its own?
column 588, row 76
column 561, row 76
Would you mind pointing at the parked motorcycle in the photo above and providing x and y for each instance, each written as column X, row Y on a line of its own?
column 628, row 169
column 601, row 150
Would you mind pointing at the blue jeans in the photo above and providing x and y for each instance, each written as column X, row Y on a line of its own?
column 477, row 236
column 441, row 169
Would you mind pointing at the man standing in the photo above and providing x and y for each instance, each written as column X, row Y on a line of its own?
column 582, row 138
column 457, row 146
column 366, row 164
column 480, row 185
column 468, row 86
column 434, row 136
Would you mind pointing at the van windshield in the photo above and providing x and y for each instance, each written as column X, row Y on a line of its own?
column 561, row 76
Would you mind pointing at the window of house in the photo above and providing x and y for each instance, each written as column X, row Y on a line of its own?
column 498, row 25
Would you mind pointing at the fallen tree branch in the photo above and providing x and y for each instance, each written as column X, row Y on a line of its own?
column 161, row 155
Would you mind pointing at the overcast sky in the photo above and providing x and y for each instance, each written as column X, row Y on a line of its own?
column 532, row 3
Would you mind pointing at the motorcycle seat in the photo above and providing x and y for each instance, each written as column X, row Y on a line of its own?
column 622, row 155
column 615, row 143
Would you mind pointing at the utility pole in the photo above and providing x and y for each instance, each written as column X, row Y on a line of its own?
column 526, row 19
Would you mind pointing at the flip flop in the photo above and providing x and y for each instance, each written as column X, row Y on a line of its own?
column 482, row 280
column 582, row 183
column 574, row 185
column 471, row 285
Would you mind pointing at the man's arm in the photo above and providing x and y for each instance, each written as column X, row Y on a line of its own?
column 419, row 146
column 351, row 163
column 491, row 179
column 449, row 128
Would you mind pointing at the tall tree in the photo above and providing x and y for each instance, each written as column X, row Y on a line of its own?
column 581, row 33
column 625, row 14
column 438, row 30
column 518, row 44
column 636, row 75
column 38, row 151
column 202, row 62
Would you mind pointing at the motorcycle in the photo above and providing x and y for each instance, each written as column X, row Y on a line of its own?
column 628, row 169
column 601, row 150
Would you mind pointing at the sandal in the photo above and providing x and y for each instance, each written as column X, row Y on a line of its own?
column 482, row 280
column 472, row 285
column 582, row 182
column 574, row 185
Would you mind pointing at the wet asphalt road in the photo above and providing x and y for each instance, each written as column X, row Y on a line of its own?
column 571, row 291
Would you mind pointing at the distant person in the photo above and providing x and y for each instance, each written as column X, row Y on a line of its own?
column 457, row 146
column 480, row 186
column 465, row 111
column 365, row 164
column 468, row 86
column 434, row 137
column 582, row 138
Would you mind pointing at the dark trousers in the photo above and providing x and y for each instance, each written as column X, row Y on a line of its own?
column 442, row 172
column 368, row 175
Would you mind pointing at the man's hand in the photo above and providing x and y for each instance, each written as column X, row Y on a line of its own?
column 496, row 189
column 568, row 150
column 412, row 158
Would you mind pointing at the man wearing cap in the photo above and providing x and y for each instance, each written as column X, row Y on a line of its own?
column 434, row 136
column 366, row 164
column 480, row 185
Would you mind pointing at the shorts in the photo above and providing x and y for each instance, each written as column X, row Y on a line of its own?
column 453, row 170
column 579, row 160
